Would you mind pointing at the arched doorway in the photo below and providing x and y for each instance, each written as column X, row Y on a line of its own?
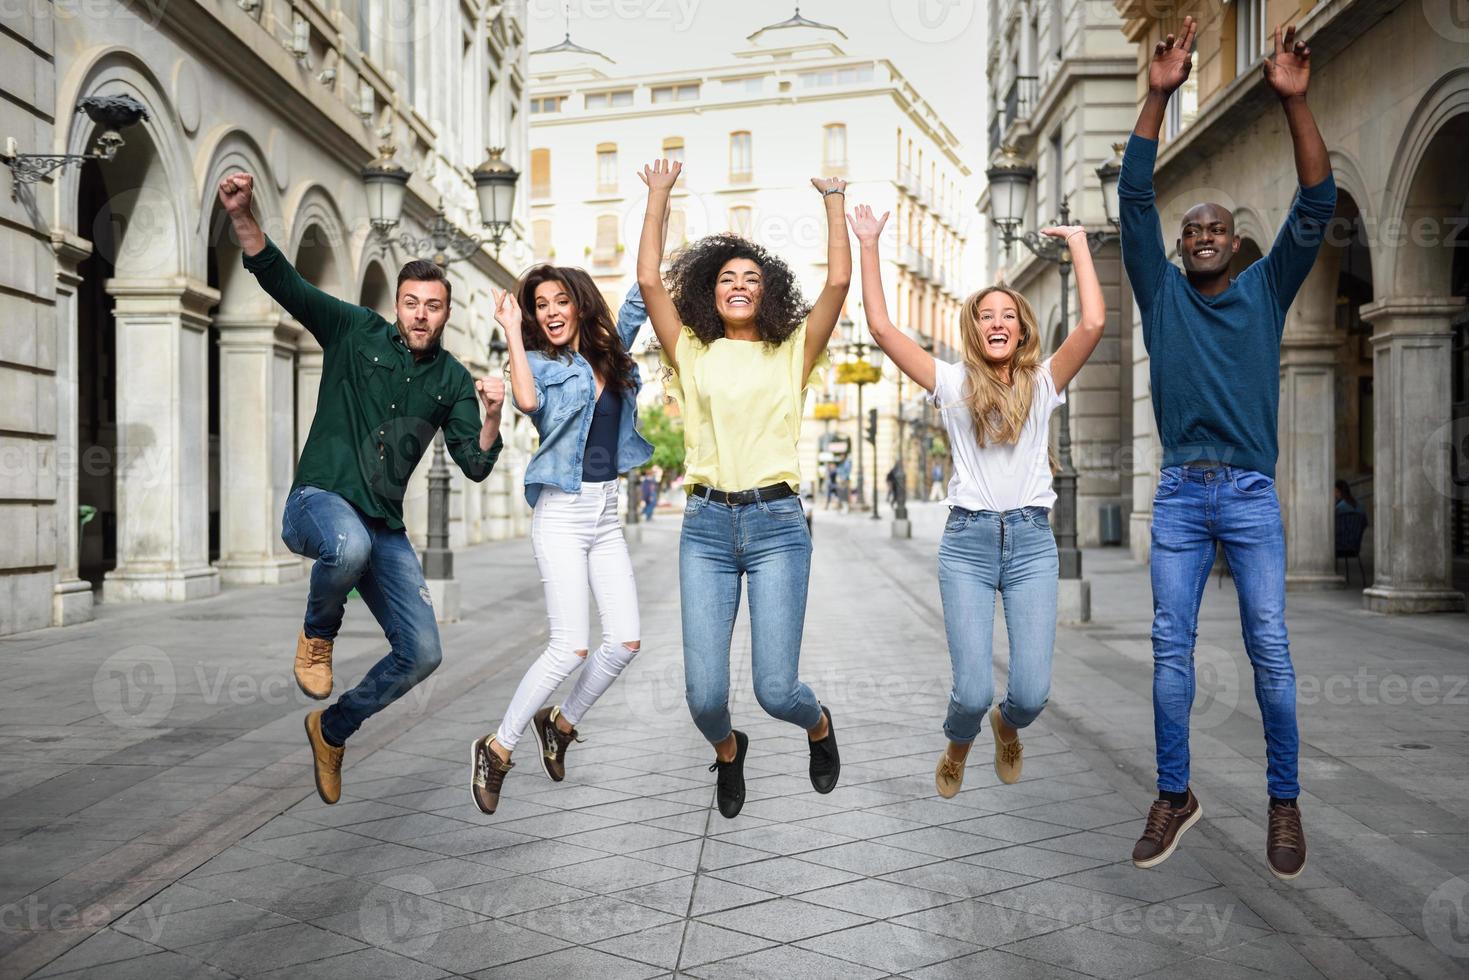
column 96, row 384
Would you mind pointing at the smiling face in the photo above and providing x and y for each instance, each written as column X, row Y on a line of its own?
column 556, row 314
column 737, row 292
column 999, row 327
column 1207, row 241
column 422, row 309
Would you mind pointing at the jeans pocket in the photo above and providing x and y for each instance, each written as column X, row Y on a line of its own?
column 694, row 504
column 785, row 509
column 1169, row 480
column 958, row 520
column 1253, row 484
column 1040, row 518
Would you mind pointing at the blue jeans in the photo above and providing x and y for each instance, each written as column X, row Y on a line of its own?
column 1013, row 552
column 1194, row 508
column 351, row 551
column 767, row 543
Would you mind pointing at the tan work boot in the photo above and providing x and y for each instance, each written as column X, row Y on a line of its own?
column 949, row 776
column 1007, row 752
column 327, row 758
column 314, row 666
column 487, row 774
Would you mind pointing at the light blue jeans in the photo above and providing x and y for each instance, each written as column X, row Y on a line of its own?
column 1014, row 553
column 769, row 545
column 352, row 550
column 1194, row 508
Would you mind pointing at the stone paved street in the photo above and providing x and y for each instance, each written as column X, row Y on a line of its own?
column 159, row 819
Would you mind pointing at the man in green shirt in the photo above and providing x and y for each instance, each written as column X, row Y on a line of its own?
column 386, row 390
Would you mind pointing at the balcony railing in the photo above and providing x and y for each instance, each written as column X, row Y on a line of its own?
column 997, row 131
column 1020, row 98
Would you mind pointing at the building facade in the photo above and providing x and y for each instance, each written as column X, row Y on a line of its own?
column 154, row 397
column 788, row 105
column 1060, row 78
column 1374, row 356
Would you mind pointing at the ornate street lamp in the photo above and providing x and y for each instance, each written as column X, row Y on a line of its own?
column 1010, row 181
column 494, row 182
column 112, row 112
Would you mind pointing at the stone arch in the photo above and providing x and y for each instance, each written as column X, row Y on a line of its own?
column 150, row 180
column 228, row 151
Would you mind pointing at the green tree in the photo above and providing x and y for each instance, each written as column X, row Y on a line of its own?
column 666, row 435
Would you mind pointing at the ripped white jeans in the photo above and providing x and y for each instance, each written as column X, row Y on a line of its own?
column 578, row 544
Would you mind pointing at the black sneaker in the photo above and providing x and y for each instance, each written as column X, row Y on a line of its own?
column 730, row 783
column 826, row 764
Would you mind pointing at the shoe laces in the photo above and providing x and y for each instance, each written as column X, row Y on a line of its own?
column 1160, row 817
column 557, row 741
column 950, row 767
column 1010, row 752
column 487, row 775
column 318, row 652
column 1285, row 828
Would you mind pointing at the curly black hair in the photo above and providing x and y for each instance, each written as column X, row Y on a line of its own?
column 695, row 270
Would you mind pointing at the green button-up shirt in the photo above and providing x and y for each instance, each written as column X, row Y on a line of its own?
column 378, row 408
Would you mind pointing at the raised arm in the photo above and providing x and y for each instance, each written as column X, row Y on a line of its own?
column 522, row 381
column 828, row 306
column 1288, row 72
column 321, row 313
column 1170, row 67
column 659, row 176
column 474, row 444
column 634, row 312
column 910, row 358
column 1083, row 338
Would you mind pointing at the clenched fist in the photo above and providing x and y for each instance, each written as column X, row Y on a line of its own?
column 235, row 193
column 491, row 393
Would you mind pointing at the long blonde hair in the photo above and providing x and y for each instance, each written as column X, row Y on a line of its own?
column 999, row 410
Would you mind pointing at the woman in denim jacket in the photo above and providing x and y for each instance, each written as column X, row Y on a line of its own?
column 570, row 372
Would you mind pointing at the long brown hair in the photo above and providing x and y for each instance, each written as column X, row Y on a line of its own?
column 597, row 341
column 999, row 410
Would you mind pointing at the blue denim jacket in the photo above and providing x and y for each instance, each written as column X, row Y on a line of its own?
column 565, row 396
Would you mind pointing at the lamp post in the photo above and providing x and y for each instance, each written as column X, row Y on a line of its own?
column 386, row 181
column 857, row 369
column 1009, row 181
column 112, row 112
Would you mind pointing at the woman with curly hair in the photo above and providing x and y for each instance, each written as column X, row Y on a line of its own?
column 996, row 405
column 570, row 372
column 743, row 345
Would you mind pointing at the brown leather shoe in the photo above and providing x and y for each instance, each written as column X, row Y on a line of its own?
column 327, row 759
column 553, row 742
column 948, row 776
column 1164, row 827
column 314, row 666
column 487, row 775
column 1007, row 753
column 1285, row 847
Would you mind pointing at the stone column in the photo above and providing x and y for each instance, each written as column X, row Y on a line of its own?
column 1147, row 454
column 1411, row 345
column 1305, row 475
column 256, row 399
column 71, row 597
column 162, row 440
column 308, row 384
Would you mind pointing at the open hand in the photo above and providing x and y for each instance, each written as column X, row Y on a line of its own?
column 865, row 225
column 1172, row 59
column 825, row 184
column 660, row 174
column 1288, row 70
column 236, row 192
column 1063, row 232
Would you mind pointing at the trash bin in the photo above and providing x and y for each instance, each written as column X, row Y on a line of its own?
column 1110, row 525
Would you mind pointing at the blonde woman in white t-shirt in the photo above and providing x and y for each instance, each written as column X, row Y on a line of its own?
column 998, row 535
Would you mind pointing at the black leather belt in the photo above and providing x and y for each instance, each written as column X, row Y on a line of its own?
column 776, row 491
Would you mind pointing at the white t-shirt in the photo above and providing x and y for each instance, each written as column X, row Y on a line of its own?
column 1003, row 476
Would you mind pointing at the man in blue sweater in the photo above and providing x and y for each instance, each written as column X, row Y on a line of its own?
column 1214, row 348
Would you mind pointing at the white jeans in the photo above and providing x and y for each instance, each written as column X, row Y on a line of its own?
column 577, row 540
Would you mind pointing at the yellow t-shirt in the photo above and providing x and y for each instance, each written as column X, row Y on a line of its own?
column 742, row 404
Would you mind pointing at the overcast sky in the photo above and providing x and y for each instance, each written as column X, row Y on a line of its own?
column 939, row 45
